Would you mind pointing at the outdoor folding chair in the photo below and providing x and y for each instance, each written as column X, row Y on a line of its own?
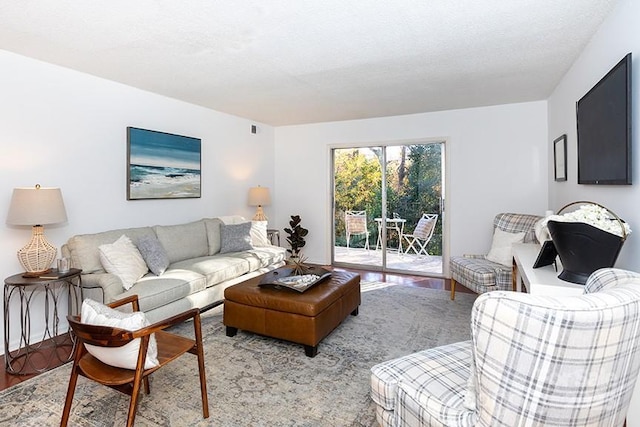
column 422, row 234
column 356, row 224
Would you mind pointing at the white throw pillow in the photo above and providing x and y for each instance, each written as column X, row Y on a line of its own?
column 259, row 234
column 94, row 313
column 501, row 246
column 123, row 259
column 541, row 230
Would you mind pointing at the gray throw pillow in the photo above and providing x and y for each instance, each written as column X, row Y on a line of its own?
column 153, row 254
column 235, row 237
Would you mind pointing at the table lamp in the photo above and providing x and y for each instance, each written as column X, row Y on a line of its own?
column 36, row 206
column 259, row 196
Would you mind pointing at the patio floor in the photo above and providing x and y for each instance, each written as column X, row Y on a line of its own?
column 407, row 262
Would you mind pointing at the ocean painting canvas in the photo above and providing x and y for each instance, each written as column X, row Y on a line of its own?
column 162, row 165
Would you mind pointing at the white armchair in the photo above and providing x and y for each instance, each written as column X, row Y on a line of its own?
column 532, row 360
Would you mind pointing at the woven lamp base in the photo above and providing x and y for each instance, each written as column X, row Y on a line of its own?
column 38, row 255
column 260, row 216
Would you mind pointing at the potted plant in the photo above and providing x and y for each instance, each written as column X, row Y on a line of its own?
column 586, row 239
column 296, row 235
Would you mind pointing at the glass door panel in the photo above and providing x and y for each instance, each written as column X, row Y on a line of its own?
column 415, row 202
column 400, row 203
column 357, row 178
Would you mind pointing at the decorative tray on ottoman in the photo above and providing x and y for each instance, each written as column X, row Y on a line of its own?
column 284, row 277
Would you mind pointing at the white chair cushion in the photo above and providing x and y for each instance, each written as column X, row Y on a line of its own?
column 123, row 259
column 501, row 246
column 94, row 313
column 424, row 227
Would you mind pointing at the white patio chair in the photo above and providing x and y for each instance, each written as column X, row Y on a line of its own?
column 422, row 234
column 356, row 225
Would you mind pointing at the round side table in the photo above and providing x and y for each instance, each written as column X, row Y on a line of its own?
column 47, row 353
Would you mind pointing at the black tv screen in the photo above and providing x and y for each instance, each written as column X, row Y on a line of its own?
column 604, row 129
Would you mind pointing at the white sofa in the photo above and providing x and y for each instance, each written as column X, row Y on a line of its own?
column 197, row 274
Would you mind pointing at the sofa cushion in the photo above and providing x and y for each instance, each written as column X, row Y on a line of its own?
column 183, row 241
column 216, row 268
column 212, row 226
column 156, row 291
column 83, row 248
column 261, row 257
column 123, row 259
column 232, row 219
column 94, row 313
column 153, row 254
column 235, row 237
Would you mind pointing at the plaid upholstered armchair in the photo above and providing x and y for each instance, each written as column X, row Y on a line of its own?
column 491, row 272
column 531, row 360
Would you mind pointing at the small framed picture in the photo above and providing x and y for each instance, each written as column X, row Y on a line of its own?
column 560, row 158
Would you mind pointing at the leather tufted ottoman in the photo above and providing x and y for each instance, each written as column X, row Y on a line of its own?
column 304, row 318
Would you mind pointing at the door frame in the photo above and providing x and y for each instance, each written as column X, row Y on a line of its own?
column 330, row 251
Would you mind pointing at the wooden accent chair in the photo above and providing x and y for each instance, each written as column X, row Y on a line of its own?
column 170, row 347
column 356, row 224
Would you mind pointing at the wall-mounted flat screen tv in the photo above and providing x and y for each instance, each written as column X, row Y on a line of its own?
column 604, row 129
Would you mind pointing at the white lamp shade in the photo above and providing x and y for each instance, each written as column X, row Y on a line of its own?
column 259, row 196
column 36, row 206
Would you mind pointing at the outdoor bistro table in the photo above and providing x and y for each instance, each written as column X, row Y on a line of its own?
column 396, row 224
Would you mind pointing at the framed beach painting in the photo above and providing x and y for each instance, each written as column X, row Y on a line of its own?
column 162, row 165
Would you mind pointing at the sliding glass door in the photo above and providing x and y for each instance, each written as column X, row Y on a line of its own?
column 388, row 207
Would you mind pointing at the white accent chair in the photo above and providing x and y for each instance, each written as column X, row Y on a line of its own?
column 532, row 360
column 422, row 234
column 356, row 225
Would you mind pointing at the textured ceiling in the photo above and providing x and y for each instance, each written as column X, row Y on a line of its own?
column 299, row 61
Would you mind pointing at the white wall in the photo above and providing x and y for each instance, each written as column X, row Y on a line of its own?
column 617, row 36
column 61, row 128
column 496, row 163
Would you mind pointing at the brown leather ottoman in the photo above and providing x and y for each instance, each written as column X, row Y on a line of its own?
column 304, row 318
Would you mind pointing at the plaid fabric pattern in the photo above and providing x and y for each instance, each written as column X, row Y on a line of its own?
column 532, row 361
column 606, row 278
column 516, row 223
column 437, row 375
column 565, row 361
column 477, row 273
column 412, row 408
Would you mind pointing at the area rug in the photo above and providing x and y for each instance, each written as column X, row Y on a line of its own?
column 258, row 381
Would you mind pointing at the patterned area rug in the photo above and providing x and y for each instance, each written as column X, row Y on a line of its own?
column 259, row 381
